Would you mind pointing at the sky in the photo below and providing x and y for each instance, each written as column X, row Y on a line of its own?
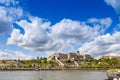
column 31, row 28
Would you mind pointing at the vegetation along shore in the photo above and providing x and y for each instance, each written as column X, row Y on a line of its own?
column 59, row 61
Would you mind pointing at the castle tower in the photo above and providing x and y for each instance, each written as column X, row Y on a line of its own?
column 78, row 52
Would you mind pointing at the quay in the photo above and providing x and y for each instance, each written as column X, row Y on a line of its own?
column 52, row 69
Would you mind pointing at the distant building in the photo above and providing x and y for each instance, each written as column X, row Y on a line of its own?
column 111, row 57
column 38, row 58
column 69, row 56
column 13, row 63
column 59, row 56
column 72, row 56
column 86, row 57
column 2, row 64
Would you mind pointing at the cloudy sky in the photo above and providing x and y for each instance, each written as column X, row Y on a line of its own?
column 30, row 28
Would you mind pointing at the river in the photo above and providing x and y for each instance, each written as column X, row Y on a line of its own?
column 52, row 75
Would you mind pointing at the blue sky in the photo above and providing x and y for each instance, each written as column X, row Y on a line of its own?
column 81, row 10
column 30, row 28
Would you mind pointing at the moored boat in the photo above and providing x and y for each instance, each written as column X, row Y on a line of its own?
column 113, row 74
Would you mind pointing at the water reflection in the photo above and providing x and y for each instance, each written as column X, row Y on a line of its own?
column 52, row 75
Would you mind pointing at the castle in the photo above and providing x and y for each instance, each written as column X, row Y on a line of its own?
column 69, row 56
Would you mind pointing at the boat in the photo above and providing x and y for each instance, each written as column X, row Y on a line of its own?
column 113, row 74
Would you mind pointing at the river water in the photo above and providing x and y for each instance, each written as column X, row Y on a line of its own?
column 52, row 75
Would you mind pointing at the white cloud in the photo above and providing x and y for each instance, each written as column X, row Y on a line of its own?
column 9, row 2
column 35, row 37
column 74, row 30
column 101, row 25
column 8, row 15
column 4, row 55
column 5, row 21
column 102, row 45
column 16, row 37
column 22, row 56
column 115, row 4
column 8, row 54
column 63, row 36
column 75, row 33
column 41, row 36
column 66, row 35
column 116, row 28
column 16, row 13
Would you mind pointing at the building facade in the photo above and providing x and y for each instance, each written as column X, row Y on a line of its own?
column 69, row 56
column 111, row 57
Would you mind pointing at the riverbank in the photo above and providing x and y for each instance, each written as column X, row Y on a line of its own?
column 52, row 69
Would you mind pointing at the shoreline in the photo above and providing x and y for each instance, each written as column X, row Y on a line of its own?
column 54, row 69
